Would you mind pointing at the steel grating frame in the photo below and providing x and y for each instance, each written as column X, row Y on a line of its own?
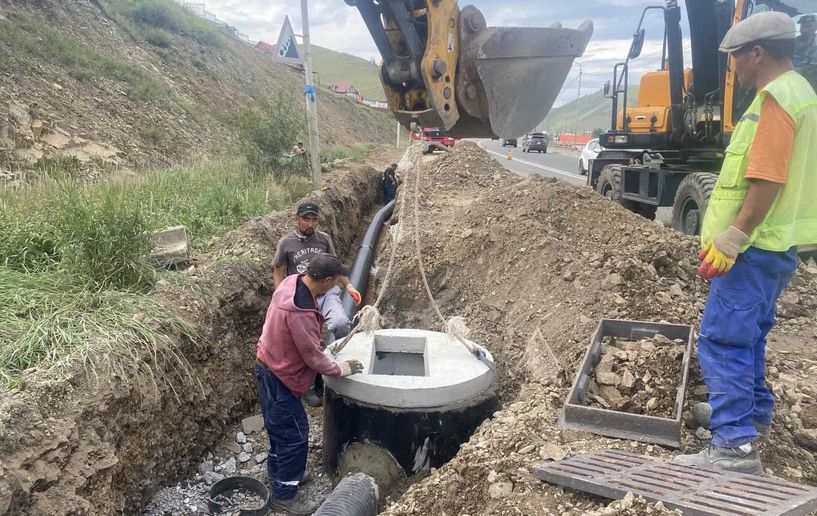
column 695, row 491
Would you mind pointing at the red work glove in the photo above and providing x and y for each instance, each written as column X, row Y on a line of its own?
column 718, row 256
column 355, row 294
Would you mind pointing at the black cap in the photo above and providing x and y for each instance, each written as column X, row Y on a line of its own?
column 807, row 18
column 308, row 207
column 325, row 265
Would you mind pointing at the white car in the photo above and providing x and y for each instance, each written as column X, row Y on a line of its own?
column 590, row 151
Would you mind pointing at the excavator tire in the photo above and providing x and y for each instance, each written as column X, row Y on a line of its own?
column 609, row 186
column 691, row 201
column 609, row 183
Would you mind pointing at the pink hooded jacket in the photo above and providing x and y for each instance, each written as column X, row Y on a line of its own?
column 290, row 345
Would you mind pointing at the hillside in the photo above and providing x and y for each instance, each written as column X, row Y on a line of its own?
column 594, row 113
column 141, row 84
column 335, row 66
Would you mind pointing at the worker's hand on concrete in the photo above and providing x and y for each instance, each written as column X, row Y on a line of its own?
column 350, row 367
column 356, row 297
column 718, row 256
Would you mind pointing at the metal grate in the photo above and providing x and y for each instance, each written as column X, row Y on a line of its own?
column 696, row 491
column 639, row 427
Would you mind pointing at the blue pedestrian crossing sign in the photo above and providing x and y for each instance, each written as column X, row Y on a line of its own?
column 287, row 49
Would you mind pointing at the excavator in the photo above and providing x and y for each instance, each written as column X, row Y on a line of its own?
column 444, row 67
column 685, row 116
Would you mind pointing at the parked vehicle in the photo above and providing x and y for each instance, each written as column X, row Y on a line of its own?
column 535, row 142
column 589, row 153
column 434, row 135
column 509, row 142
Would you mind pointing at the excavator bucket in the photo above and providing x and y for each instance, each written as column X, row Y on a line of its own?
column 445, row 68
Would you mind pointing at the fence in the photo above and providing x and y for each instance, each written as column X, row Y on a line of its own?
column 200, row 10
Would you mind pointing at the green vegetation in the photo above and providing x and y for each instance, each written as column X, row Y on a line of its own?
column 334, row 67
column 50, row 319
column 355, row 153
column 147, row 16
column 32, row 38
column 595, row 112
column 58, row 167
column 158, row 38
column 267, row 136
column 72, row 270
column 153, row 133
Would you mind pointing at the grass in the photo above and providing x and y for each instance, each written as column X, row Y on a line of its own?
column 158, row 38
column 74, row 285
column 148, row 16
column 32, row 38
column 54, row 320
column 153, row 133
column 336, row 67
column 356, row 153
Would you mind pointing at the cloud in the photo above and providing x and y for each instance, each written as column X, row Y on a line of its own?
column 335, row 25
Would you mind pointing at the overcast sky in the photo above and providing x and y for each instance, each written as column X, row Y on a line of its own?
column 339, row 27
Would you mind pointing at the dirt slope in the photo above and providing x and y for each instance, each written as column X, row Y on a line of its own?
column 533, row 264
column 80, row 78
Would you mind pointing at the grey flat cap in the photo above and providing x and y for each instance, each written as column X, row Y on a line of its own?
column 764, row 26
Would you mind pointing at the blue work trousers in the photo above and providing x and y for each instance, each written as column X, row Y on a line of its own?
column 739, row 313
column 288, row 431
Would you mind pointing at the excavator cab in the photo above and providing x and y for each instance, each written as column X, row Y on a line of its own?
column 444, row 67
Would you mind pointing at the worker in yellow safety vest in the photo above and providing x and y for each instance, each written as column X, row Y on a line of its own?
column 764, row 205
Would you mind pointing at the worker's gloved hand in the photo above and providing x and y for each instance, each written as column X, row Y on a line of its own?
column 355, row 294
column 718, row 256
column 350, row 367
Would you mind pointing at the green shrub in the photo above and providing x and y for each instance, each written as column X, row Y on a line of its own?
column 267, row 135
column 153, row 133
column 59, row 167
column 30, row 37
column 158, row 38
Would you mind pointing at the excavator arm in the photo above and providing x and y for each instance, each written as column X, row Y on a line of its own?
column 443, row 67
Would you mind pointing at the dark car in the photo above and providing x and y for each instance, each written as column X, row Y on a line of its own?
column 535, row 142
column 509, row 142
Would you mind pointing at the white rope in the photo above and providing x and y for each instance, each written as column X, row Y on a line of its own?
column 369, row 318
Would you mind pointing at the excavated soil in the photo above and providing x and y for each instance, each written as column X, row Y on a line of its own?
column 83, row 445
column 533, row 264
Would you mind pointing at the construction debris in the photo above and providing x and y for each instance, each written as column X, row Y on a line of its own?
column 638, row 377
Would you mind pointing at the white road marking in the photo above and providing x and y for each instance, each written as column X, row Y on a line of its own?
column 537, row 165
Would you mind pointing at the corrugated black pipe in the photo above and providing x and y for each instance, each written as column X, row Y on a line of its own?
column 355, row 495
column 359, row 275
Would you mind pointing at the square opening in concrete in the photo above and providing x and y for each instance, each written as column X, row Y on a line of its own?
column 399, row 356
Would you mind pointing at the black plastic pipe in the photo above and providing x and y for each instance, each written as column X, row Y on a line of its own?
column 355, row 495
column 359, row 275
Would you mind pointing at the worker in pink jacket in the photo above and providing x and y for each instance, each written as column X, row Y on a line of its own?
column 289, row 356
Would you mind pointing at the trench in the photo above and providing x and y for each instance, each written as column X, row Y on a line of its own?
column 241, row 449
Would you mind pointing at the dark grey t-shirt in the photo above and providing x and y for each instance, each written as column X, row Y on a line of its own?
column 295, row 251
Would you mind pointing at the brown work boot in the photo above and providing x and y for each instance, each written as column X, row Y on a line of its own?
column 299, row 504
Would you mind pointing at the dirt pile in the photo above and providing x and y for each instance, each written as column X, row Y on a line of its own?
column 533, row 264
column 81, row 81
column 85, row 445
column 639, row 377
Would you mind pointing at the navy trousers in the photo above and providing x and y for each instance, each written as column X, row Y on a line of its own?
column 288, row 431
column 739, row 313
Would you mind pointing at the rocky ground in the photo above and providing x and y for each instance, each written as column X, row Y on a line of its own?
column 639, row 377
column 533, row 264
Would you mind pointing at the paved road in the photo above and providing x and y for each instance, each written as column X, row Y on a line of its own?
column 552, row 164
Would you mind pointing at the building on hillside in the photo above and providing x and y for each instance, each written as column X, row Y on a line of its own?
column 346, row 88
column 265, row 48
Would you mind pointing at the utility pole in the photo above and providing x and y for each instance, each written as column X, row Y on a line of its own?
column 578, row 99
column 311, row 102
column 398, row 135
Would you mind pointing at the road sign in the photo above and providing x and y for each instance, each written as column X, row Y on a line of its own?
column 287, row 48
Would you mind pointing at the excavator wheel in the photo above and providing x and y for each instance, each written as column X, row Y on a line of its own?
column 609, row 187
column 609, row 184
column 691, row 201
